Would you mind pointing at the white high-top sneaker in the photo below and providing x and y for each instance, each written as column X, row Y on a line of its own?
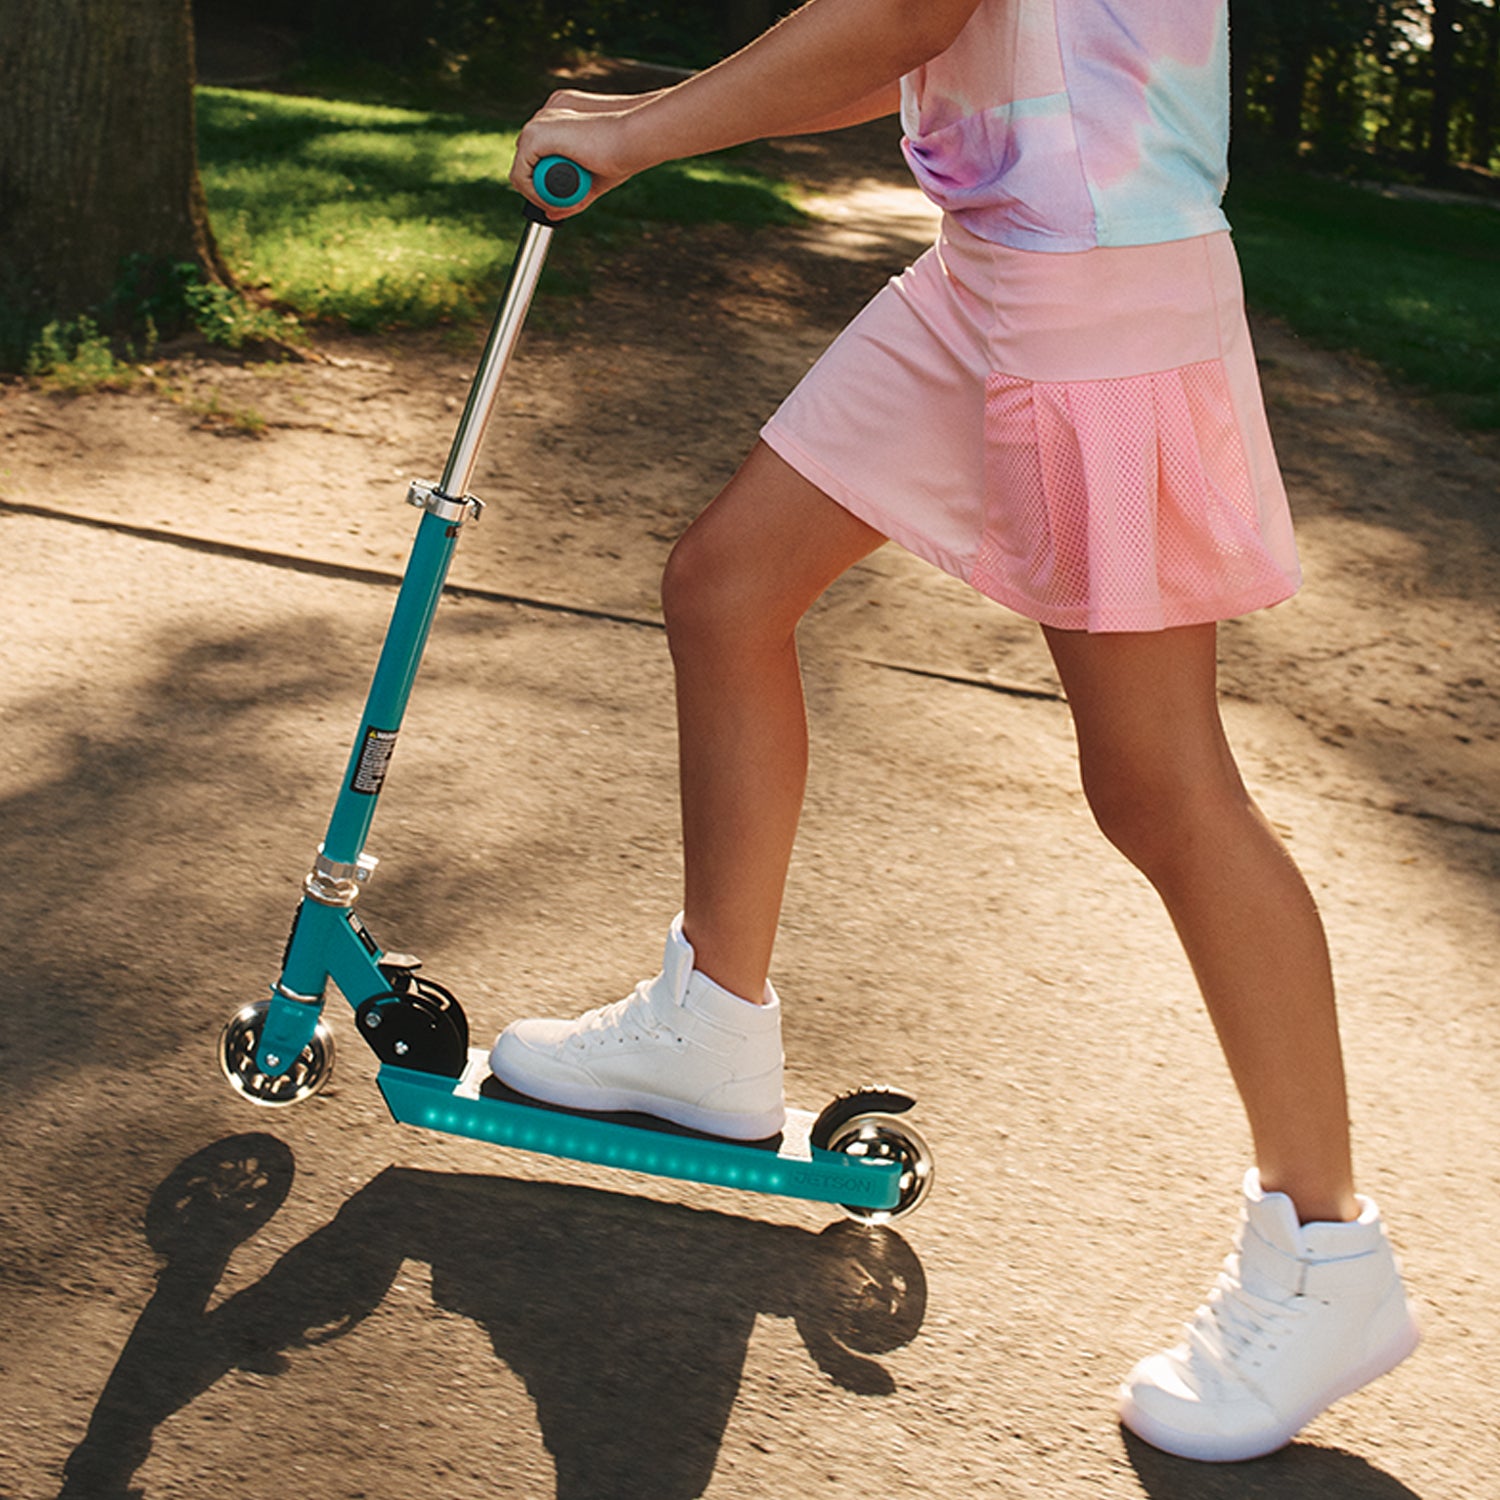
column 1301, row 1315
column 678, row 1046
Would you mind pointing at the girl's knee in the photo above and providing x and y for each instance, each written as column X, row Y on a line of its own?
column 695, row 588
column 747, row 570
column 714, row 591
column 1155, row 815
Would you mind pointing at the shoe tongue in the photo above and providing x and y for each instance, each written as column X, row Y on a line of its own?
column 676, row 963
column 1271, row 1245
column 1273, row 1216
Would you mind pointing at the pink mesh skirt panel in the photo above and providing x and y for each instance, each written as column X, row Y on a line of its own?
column 1080, row 437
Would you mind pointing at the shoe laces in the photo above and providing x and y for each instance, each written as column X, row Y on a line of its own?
column 631, row 1019
column 1235, row 1325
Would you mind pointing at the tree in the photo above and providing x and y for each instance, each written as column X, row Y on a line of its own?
column 1292, row 27
column 1445, row 18
column 1486, row 87
column 98, row 160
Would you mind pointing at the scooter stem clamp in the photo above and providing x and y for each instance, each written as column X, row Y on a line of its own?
column 430, row 497
column 332, row 882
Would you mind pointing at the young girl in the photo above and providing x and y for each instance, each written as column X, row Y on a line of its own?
column 1058, row 403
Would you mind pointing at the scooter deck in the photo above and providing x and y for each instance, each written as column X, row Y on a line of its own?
column 476, row 1107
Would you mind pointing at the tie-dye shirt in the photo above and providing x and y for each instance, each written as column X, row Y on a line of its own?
column 1067, row 124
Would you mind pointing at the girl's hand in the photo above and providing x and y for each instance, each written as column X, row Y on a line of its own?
column 579, row 102
column 829, row 63
column 589, row 129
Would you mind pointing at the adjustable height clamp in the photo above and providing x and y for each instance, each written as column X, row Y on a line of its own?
column 430, row 497
column 333, row 883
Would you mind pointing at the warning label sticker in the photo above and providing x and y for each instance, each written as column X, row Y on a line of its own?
column 374, row 760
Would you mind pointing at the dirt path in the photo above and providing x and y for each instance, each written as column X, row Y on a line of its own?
column 190, row 615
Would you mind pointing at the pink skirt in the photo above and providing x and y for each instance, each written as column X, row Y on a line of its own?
column 1079, row 436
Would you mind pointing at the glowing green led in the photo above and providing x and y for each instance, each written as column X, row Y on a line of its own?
column 829, row 1177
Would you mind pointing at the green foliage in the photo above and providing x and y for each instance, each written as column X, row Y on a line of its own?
column 80, row 356
column 517, row 38
column 175, row 297
column 76, row 357
column 1407, row 281
column 1418, row 80
column 227, row 318
column 210, row 413
column 374, row 217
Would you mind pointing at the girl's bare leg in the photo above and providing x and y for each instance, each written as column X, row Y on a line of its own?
column 736, row 585
column 684, row 1045
column 1163, row 784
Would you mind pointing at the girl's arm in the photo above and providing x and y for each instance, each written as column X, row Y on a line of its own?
column 885, row 100
column 832, row 62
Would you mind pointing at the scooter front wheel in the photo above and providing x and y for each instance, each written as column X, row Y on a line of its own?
column 237, row 1047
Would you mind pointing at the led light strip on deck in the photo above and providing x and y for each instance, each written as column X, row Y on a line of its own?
column 797, row 1170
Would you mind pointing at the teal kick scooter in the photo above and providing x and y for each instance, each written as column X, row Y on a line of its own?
column 858, row 1152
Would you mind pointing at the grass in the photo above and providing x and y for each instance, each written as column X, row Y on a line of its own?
column 371, row 216
column 374, row 217
column 1410, row 283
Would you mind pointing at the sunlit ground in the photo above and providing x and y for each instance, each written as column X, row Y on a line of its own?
column 869, row 213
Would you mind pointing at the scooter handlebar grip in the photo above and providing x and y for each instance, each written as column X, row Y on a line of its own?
column 560, row 183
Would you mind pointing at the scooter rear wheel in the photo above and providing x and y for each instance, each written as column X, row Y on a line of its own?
column 880, row 1137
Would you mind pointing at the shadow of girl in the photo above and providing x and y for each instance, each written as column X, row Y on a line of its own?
column 1298, row 1472
column 628, row 1320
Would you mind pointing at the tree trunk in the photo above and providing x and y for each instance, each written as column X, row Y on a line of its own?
column 98, row 158
column 1289, row 90
column 1485, row 91
column 1244, row 41
column 1444, row 53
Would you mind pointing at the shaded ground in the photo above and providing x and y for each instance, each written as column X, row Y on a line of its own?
column 205, row 1300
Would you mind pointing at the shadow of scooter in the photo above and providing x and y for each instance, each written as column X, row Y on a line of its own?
column 628, row 1320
